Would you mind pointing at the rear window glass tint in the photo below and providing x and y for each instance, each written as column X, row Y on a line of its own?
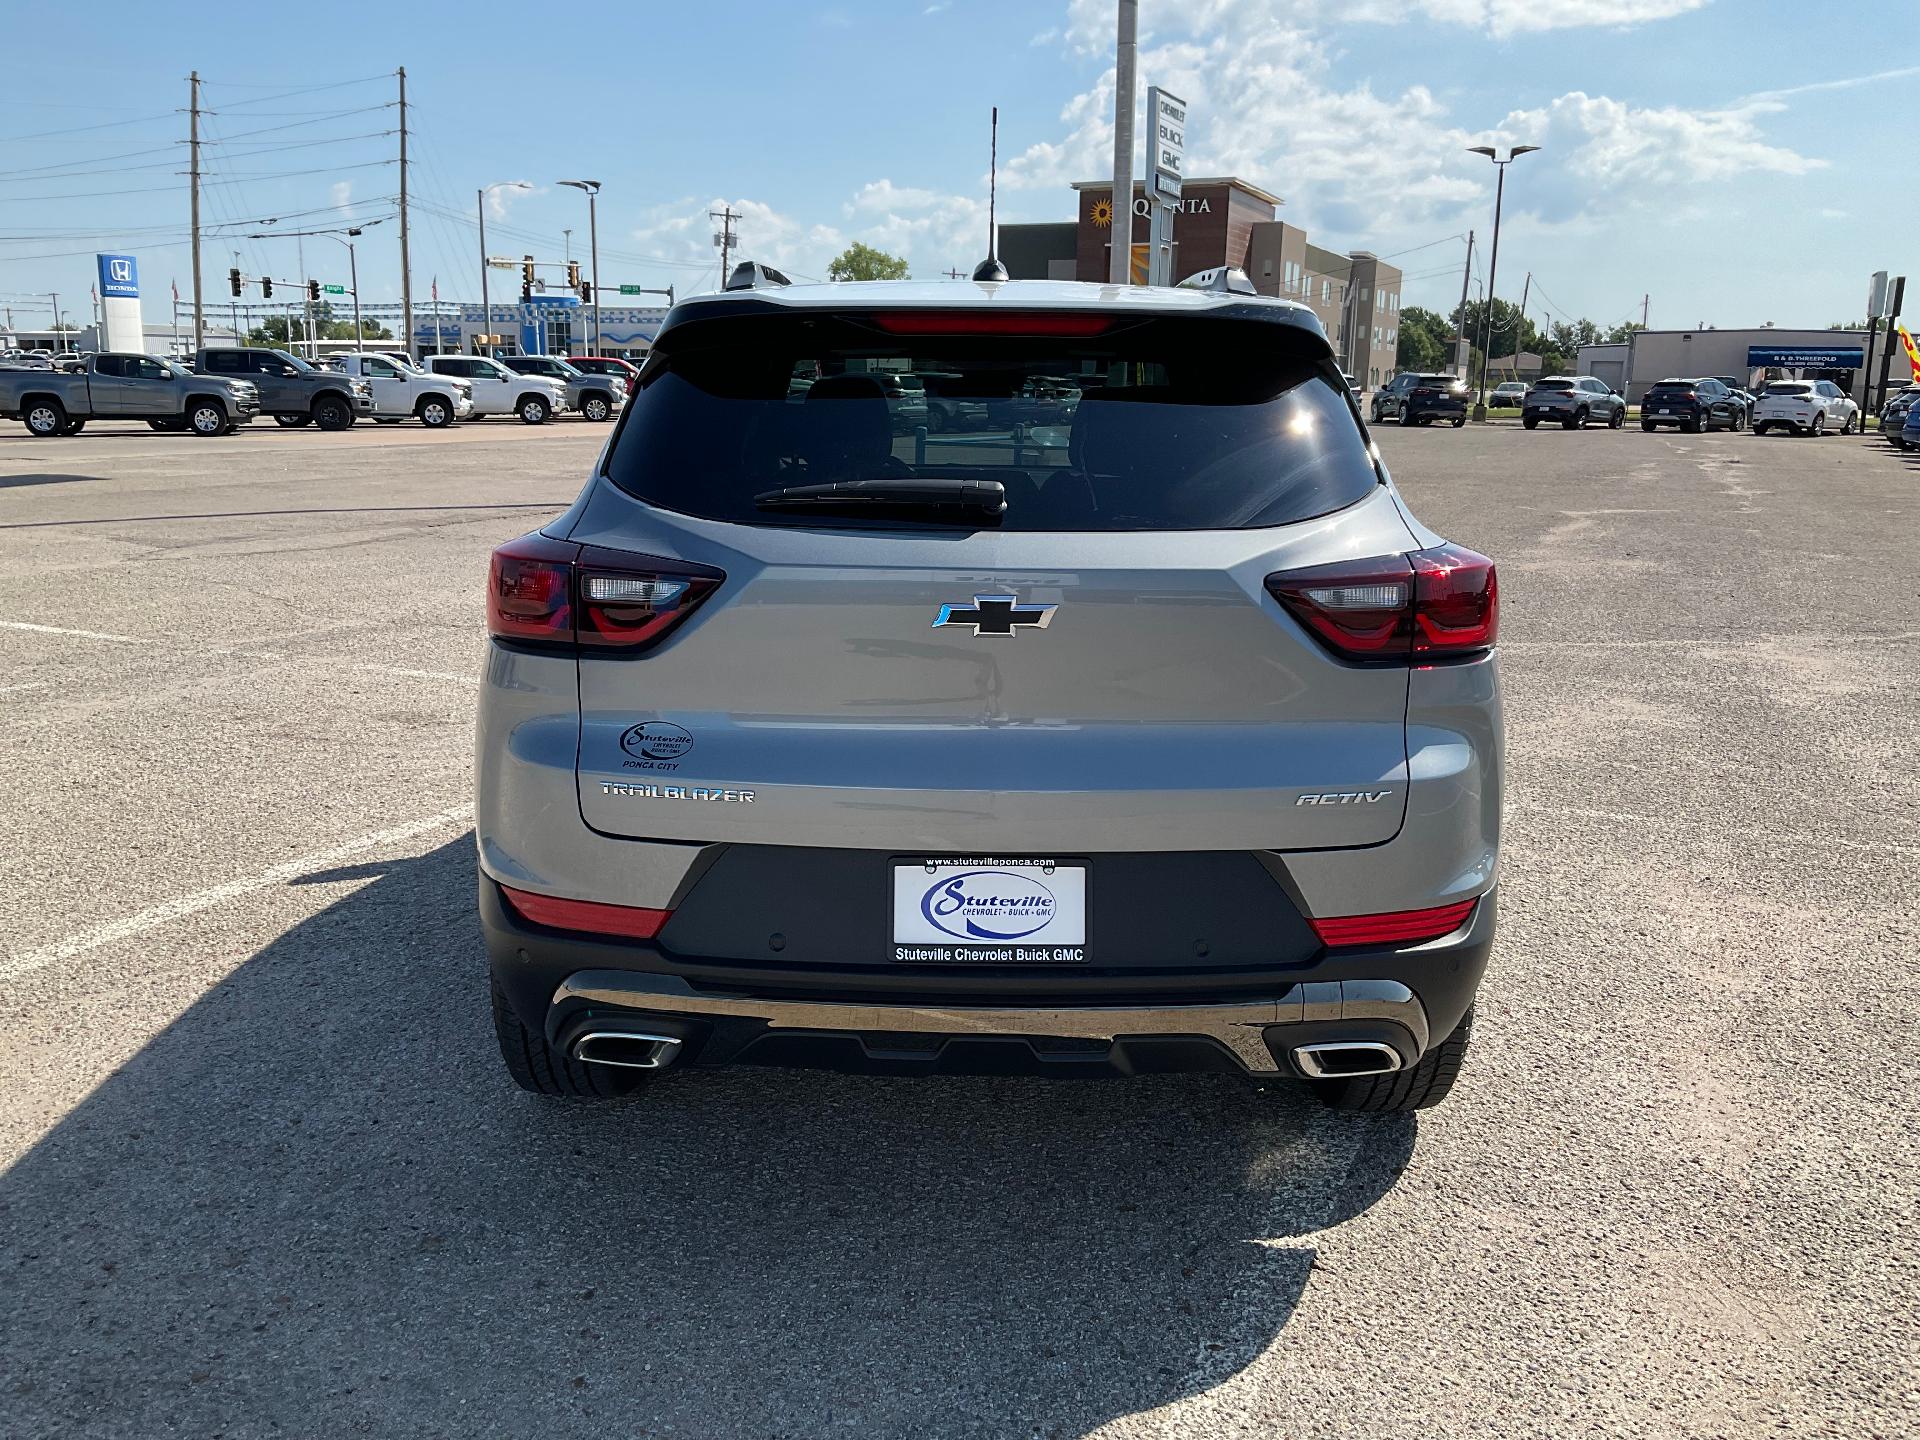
column 1789, row 389
column 1170, row 424
column 1554, row 385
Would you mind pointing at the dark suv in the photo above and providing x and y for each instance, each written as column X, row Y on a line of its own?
column 1421, row 400
column 1692, row 405
column 291, row 390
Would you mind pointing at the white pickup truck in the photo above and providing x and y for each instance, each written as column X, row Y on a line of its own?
column 498, row 391
column 400, row 391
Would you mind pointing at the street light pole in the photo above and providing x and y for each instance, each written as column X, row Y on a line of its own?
column 1493, row 264
column 480, row 206
column 592, row 187
column 353, row 273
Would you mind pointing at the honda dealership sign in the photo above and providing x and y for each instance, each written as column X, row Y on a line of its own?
column 119, row 288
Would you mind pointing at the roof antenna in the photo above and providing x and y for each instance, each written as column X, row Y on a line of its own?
column 991, row 268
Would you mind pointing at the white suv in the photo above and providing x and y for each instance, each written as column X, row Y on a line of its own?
column 1805, row 407
column 498, row 391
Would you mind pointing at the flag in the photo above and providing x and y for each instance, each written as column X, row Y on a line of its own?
column 1913, row 351
column 176, row 292
column 436, row 289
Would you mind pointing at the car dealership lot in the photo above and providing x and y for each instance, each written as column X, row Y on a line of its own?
column 265, row 1171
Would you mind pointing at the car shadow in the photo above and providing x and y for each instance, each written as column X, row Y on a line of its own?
column 9, row 482
column 315, row 1205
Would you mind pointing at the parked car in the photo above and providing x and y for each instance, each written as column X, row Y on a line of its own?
column 1416, row 399
column 798, row 747
column 1508, row 395
column 1893, row 415
column 1910, row 429
column 1573, row 401
column 594, row 396
column 1805, row 407
column 400, row 391
column 164, row 393
column 1740, row 392
column 1691, row 405
column 950, row 407
column 610, row 366
column 496, row 390
column 292, row 391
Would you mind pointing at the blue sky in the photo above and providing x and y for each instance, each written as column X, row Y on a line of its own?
column 1728, row 157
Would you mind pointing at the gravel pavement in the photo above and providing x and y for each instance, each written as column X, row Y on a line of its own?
column 265, row 1176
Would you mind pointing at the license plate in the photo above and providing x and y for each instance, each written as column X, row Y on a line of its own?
column 1663, row 412
column 989, row 911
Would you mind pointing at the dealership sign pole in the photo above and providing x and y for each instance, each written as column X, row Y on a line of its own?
column 1167, row 135
column 1126, row 45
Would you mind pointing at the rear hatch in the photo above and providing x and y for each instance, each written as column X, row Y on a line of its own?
column 1550, row 393
column 1096, row 666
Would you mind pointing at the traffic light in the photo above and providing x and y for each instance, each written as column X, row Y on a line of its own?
column 313, row 291
column 526, row 277
column 573, row 275
column 586, row 292
column 266, row 288
column 233, row 279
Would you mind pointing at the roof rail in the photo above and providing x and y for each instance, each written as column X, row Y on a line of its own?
column 752, row 275
column 1225, row 279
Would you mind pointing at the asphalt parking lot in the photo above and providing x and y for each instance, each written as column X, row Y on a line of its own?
column 264, row 1174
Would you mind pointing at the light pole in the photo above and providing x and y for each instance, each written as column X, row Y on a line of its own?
column 592, row 187
column 1493, row 265
column 353, row 269
column 486, row 305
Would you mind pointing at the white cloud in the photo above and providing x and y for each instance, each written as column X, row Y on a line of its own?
column 682, row 232
column 502, row 197
column 884, row 195
column 341, row 195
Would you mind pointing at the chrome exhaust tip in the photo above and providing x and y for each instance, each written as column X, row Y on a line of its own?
column 628, row 1049
column 1336, row 1060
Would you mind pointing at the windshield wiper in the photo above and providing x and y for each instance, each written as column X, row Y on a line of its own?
column 931, row 496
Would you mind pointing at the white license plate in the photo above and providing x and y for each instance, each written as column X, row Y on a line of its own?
column 989, row 911
column 1663, row 412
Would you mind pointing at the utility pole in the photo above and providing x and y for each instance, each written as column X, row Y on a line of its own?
column 1520, row 324
column 486, row 305
column 193, row 182
column 1493, row 264
column 956, row 274
column 566, row 246
column 1462, row 354
column 406, row 268
column 1125, row 50
column 726, row 240
column 233, row 306
column 1645, row 301
column 1893, row 321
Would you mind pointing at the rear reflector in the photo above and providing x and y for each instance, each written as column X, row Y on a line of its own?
column 1401, row 927
column 988, row 322
column 627, row 921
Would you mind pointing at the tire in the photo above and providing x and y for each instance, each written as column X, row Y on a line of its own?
column 1406, row 418
column 1690, row 427
column 1846, row 425
column 330, row 412
column 1648, row 426
column 1739, row 421
column 1418, row 1088
column 168, row 426
column 1573, row 422
column 1617, row 419
column 597, row 408
column 386, row 419
column 1531, row 422
column 1819, row 426
column 292, row 422
column 1760, row 427
column 1458, row 421
column 74, row 427
column 538, row 1067
column 207, row 419
column 1377, row 417
column 435, row 412
column 46, row 419
column 533, row 410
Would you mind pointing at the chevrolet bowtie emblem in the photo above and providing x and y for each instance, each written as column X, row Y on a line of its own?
column 996, row 615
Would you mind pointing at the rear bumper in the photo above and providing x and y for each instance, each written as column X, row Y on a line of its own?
column 909, row 1021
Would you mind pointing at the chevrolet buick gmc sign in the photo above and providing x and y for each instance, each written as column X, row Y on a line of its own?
column 119, row 275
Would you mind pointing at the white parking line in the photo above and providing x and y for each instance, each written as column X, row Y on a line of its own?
column 154, row 916
column 83, row 634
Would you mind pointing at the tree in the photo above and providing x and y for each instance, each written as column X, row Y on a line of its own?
column 273, row 331
column 1619, row 333
column 863, row 262
column 1424, row 342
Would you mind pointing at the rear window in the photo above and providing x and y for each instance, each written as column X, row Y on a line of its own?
column 1162, row 424
column 1789, row 390
column 1672, row 387
column 1554, row 385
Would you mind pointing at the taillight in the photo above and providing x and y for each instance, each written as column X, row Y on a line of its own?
column 1428, row 605
column 1399, row 927
column 629, row 922
column 555, row 592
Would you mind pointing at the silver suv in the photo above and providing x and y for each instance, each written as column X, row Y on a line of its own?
column 1157, row 735
column 1573, row 401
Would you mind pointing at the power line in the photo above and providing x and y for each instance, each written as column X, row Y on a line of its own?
column 318, row 116
column 286, row 94
column 78, row 129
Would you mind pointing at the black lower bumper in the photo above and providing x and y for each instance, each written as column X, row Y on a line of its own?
column 918, row 1020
